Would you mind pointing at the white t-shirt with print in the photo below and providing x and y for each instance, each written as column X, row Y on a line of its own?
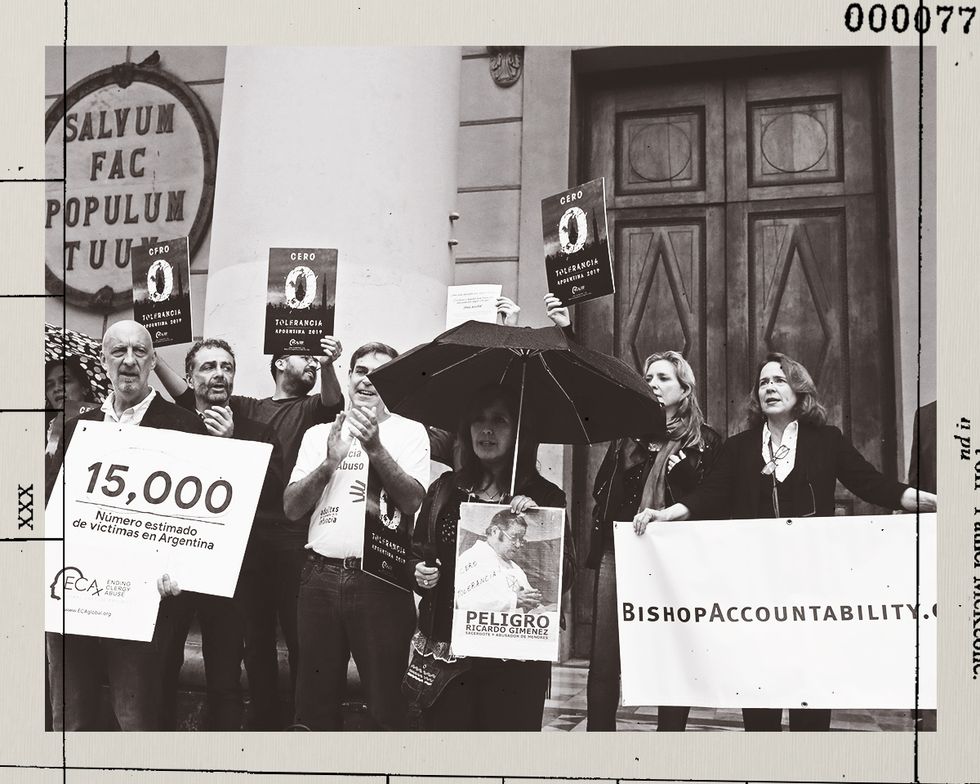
column 337, row 521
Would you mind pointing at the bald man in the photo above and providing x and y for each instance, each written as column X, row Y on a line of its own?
column 133, row 668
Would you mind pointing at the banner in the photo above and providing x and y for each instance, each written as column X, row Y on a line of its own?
column 162, row 291
column 814, row 612
column 508, row 582
column 299, row 299
column 576, row 244
column 473, row 302
column 158, row 501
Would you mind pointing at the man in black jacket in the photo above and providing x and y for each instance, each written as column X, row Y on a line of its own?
column 133, row 668
column 210, row 366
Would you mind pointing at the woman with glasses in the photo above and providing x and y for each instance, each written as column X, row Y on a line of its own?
column 484, row 693
column 636, row 473
column 786, row 464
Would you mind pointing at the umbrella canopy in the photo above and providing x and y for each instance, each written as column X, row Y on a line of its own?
column 571, row 394
column 61, row 343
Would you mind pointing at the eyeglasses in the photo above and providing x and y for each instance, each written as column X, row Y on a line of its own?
column 769, row 468
column 517, row 541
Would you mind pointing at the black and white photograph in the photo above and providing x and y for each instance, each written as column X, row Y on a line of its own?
column 761, row 349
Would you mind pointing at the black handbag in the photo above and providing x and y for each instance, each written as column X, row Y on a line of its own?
column 428, row 675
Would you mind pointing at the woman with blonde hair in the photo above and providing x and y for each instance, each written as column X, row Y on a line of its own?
column 637, row 473
column 786, row 464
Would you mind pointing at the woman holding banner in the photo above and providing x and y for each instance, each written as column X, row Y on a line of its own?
column 637, row 473
column 786, row 464
column 476, row 693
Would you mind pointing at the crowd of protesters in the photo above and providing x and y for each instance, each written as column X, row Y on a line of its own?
column 301, row 575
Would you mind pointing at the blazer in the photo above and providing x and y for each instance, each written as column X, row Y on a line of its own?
column 733, row 488
column 680, row 481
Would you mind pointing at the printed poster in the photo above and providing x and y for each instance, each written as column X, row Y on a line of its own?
column 387, row 535
column 300, row 299
column 813, row 612
column 163, row 501
column 508, row 582
column 162, row 290
column 576, row 243
column 473, row 302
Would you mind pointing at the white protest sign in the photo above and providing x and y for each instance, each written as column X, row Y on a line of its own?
column 167, row 501
column 508, row 582
column 813, row 612
column 474, row 302
column 103, row 593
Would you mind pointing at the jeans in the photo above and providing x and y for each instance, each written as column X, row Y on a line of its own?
column 492, row 695
column 268, row 589
column 76, row 666
column 222, row 631
column 342, row 612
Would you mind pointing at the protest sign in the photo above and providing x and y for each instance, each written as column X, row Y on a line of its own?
column 508, row 582
column 814, row 612
column 576, row 245
column 387, row 534
column 162, row 290
column 475, row 302
column 300, row 299
column 102, row 593
column 164, row 501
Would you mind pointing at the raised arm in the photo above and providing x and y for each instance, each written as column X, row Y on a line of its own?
column 172, row 382
column 331, row 395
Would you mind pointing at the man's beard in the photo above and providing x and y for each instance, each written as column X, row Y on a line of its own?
column 218, row 397
column 302, row 385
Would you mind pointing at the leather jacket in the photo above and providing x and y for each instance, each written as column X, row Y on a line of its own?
column 680, row 481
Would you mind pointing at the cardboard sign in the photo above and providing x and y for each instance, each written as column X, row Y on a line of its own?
column 161, row 500
column 300, row 299
column 162, row 291
column 576, row 244
column 508, row 582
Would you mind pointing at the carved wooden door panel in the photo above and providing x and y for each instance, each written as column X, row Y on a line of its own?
column 807, row 273
column 743, row 218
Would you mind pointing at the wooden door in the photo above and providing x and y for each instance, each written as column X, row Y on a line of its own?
column 744, row 218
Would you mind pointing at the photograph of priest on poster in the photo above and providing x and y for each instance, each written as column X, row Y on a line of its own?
column 508, row 582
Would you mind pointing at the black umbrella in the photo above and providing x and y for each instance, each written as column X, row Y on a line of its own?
column 569, row 394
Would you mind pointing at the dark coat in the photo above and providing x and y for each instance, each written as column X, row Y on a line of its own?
column 733, row 488
column 687, row 475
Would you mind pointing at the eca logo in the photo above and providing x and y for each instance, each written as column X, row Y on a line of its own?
column 71, row 579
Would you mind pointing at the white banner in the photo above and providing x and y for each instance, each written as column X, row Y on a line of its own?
column 508, row 582
column 140, row 502
column 814, row 612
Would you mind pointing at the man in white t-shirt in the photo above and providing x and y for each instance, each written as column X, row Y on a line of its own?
column 343, row 611
column 488, row 578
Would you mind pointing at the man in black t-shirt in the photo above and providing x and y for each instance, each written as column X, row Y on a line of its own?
column 211, row 372
column 269, row 581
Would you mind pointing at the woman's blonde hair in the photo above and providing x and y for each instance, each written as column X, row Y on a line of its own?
column 686, row 425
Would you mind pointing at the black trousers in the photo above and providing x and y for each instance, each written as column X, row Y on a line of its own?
column 222, row 641
column 492, row 695
column 771, row 720
column 268, row 589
